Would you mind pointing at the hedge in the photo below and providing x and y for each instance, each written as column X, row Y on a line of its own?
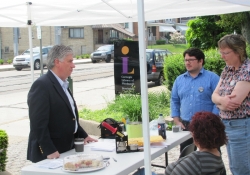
column 160, row 42
column 3, row 149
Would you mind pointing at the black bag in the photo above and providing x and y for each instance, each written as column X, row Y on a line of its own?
column 105, row 133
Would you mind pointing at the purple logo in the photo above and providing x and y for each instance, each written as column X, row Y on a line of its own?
column 125, row 66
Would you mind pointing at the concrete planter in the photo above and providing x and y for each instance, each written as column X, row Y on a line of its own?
column 91, row 127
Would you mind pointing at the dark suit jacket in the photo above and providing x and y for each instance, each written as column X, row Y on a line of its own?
column 52, row 122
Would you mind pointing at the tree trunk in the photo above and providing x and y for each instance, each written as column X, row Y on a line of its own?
column 245, row 26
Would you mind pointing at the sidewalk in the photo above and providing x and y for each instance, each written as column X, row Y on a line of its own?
column 9, row 67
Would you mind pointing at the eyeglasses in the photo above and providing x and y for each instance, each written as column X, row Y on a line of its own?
column 225, row 53
column 189, row 60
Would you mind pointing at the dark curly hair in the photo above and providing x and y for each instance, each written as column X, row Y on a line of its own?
column 197, row 53
column 208, row 130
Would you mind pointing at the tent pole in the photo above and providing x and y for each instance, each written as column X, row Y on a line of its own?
column 29, row 23
column 144, row 86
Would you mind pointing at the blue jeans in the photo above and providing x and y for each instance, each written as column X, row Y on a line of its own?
column 238, row 147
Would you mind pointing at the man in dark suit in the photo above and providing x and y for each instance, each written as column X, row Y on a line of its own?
column 53, row 113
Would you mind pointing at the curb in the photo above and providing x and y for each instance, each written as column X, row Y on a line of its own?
column 91, row 127
column 12, row 68
column 6, row 69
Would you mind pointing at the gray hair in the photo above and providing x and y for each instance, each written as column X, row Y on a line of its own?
column 235, row 42
column 57, row 52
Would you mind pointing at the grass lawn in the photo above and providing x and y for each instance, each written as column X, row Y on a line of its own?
column 175, row 49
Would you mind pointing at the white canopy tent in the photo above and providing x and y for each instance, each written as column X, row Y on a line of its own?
column 239, row 2
column 13, row 13
column 19, row 13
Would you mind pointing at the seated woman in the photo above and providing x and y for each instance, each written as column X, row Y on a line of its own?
column 209, row 134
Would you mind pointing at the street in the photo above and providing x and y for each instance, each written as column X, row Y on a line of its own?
column 18, row 81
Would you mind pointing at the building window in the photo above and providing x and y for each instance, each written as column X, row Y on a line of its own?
column 114, row 34
column 76, row 33
column 126, row 25
column 6, row 49
column 169, row 20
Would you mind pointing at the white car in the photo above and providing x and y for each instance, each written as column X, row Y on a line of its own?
column 105, row 52
column 23, row 60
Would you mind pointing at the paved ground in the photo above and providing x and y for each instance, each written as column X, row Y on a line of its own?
column 19, row 129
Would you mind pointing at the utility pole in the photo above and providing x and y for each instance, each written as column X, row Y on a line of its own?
column 15, row 40
column 57, row 35
column 39, row 36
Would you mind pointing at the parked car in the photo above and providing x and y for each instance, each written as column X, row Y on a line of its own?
column 23, row 60
column 155, row 62
column 105, row 52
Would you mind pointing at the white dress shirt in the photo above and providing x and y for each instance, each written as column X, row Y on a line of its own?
column 65, row 85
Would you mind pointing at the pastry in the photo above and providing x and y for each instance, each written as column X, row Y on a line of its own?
column 71, row 166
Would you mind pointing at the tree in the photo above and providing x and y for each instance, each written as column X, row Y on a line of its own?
column 238, row 22
column 203, row 32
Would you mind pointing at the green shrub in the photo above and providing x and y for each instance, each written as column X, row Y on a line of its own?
column 1, row 61
column 160, row 42
column 248, row 50
column 9, row 61
column 170, row 126
column 174, row 66
column 77, row 57
column 213, row 61
column 129, row 105
column 82, row 56
column 87, row 56
column 3, row 149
